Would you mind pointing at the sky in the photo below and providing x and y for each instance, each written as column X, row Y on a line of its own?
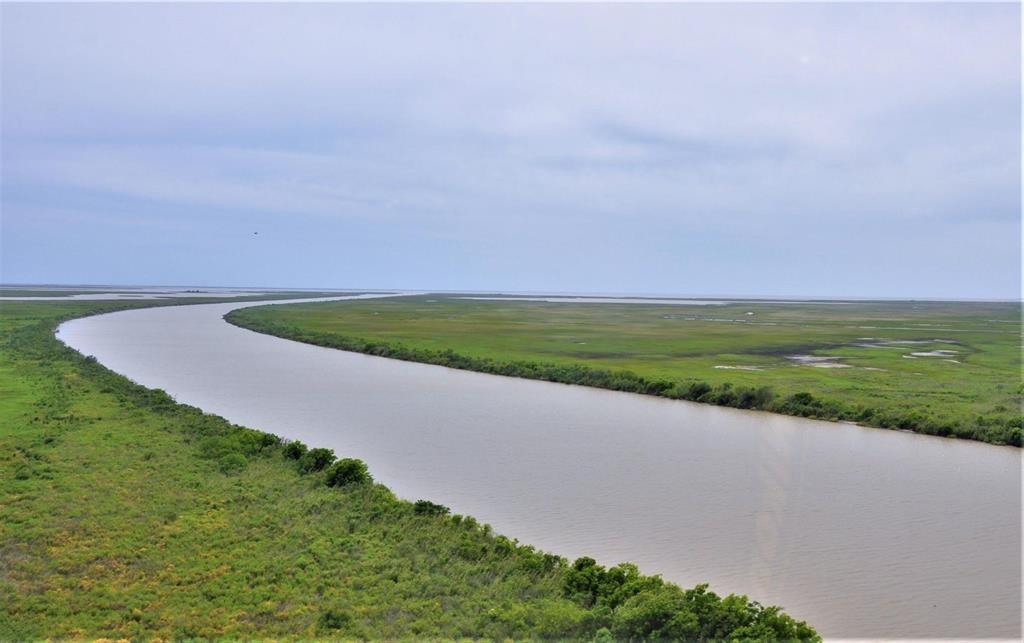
column 840, row 150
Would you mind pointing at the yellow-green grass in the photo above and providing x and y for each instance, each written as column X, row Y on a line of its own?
column 978, row 395
column 125, row 515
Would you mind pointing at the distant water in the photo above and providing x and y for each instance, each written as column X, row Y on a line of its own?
column 145, row 292
column 104, row 296
column 89, row 293
column 865, row 533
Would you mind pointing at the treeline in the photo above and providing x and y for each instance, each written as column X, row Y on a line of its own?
column 995, row 429
column 594, row 603
column 628, row 606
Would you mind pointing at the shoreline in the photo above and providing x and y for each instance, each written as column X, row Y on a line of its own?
column 538, row 371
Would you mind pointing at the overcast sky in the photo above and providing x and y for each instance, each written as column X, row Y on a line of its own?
column 832, row 150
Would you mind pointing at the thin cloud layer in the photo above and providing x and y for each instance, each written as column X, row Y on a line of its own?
column 843, row 150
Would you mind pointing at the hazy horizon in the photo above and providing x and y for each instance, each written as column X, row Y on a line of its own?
column 798, row 150
column 551, row 293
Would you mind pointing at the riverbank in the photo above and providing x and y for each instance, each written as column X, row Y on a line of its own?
column 128, row 515
column 806, row 359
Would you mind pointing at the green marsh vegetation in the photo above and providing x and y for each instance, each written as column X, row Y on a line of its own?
column 942, row 368
column 126, row 514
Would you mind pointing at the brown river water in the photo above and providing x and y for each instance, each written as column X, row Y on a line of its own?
column 864, row 533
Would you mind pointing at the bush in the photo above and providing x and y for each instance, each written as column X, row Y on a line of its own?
column 582, row 582
column 603, row 636
column 657, row 615
column 697, row 390
column 803, row 404
column 267, row 440
column 637, row 608
column 348, row 471
column 334, row 620
column 316, row 460
column 294, row 450
column 751, row 398
column 427, row 508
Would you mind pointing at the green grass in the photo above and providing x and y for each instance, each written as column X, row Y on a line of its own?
column 732, row 348
column 125, row 515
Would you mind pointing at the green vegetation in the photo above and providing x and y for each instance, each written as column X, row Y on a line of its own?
column 125, row 514
column 943, row 368
column 315, row 460
column 349, row 471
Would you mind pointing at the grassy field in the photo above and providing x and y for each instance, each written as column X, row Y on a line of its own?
column 126, row 515
column 947, row 368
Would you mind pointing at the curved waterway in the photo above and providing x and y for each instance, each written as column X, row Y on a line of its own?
column 864, row 533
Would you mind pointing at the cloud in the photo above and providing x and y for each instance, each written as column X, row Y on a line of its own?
column 467, row 123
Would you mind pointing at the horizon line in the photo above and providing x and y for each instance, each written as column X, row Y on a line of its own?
column 549, row 293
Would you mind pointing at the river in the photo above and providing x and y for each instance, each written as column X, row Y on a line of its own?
column 864, row 533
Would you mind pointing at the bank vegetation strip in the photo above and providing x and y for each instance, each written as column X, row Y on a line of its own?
column 941, row 368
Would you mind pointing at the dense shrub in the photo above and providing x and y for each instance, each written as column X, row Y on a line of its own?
column 267, row 440
column 316, row 460
column 294, row 449
column 697, row 390
column 333, row 620
column 634, row 607
column 246, row 443
column 348, row 471
column 803, row 404
column 1010, row 432
column 660, row 614
column 755, row 398
column 427, row 508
